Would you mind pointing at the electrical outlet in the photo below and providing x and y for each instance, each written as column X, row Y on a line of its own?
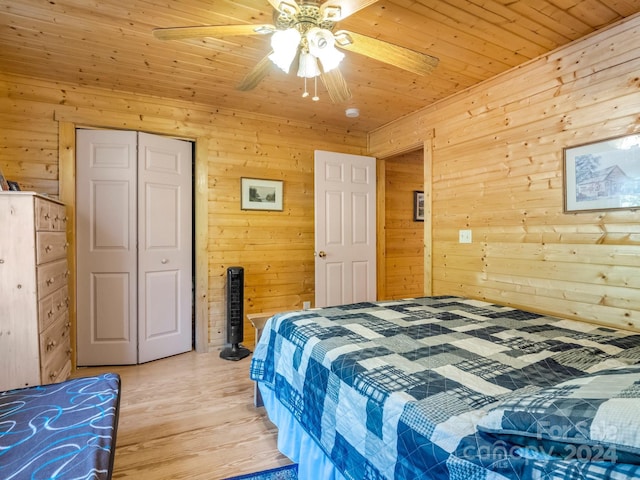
column 306, row 305
column 464, row 236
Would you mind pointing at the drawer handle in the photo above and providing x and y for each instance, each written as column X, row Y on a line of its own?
column 47, row 216
column 66, row 245
column 50, row 313
column 48, row 248
column 53, row 375
column 66, row 274
column 51, row 344
column 51, row 280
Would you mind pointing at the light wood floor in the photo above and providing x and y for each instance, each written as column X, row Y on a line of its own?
column 190, row 417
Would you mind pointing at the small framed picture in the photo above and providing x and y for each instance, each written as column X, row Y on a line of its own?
column 418, row 206
column 603, row 175
column 13, row 186
column 4, row 185
column 260, row 194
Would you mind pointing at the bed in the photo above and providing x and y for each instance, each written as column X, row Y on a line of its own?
column 448, row 387
column 64, row 430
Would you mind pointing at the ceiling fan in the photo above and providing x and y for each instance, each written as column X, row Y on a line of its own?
column 304, row 30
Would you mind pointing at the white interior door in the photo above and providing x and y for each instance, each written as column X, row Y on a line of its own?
column 164, row 242
column 133, row 207
column 345, row 228
column 106, row 236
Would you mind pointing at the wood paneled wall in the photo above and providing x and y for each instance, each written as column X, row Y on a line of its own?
column 275, row 248
column 403, row 238
column 497, row 169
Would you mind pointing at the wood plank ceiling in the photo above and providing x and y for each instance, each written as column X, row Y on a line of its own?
column 109, row 44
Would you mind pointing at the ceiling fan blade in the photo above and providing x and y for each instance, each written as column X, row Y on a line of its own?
column 344, row 7
column 395, row 55
column 178, row 33
column 336, row 86
column 289, row 7
column 255, row 76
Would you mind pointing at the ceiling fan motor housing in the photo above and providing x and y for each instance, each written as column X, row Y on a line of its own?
column 307, row 16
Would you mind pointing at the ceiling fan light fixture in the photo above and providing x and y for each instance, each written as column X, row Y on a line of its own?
column 285, row 47
column 322, row 45
column 308, row 66
column 331, row 59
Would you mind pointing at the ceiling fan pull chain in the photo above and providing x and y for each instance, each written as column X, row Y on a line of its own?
column 315, row 89
column 305, row 94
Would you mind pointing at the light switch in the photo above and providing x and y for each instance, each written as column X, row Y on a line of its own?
column 465, row 236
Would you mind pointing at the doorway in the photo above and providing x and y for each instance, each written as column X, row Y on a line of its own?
column 403, row 233
column 134, row 247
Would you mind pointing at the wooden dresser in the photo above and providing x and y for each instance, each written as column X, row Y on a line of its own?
column 34, row 297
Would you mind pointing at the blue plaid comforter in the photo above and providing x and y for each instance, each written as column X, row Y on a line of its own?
column 394, row 390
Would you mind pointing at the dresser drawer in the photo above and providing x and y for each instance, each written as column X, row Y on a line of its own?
column 58, row 369
column 50, row 216
column 54, row 346
column 51, row 307
column 51, row 277
column 58, row 217
column 50, row 246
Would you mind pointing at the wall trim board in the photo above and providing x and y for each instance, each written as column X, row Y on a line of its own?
column 67, row 179
column 428, row 217
column 381, row 273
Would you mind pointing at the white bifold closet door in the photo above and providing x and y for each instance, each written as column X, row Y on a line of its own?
column 134, row 247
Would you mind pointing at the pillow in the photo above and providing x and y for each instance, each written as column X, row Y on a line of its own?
column 592, row 418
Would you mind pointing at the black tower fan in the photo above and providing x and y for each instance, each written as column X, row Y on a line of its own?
column 235, row 315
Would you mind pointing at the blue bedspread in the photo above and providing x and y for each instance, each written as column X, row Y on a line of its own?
column 60, row 431
column 394, row 390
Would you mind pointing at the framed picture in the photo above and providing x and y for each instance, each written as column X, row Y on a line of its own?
column 4, row 185
column 13, row 186
column 418, row 206
column 602, row 175
column 259, row 194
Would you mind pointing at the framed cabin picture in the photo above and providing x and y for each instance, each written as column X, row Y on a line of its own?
column 602, row 175
column 418, row 206
column 259, row 194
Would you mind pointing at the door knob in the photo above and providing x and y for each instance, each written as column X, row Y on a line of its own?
column 322, row 254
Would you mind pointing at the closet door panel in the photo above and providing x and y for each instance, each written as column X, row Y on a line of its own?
column 106, row 188
column 164, row 209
